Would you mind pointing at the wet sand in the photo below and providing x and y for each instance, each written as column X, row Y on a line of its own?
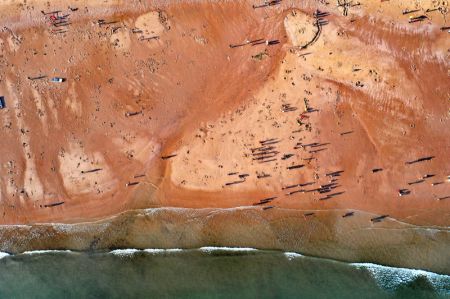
column 322, row 234
column 158, row 111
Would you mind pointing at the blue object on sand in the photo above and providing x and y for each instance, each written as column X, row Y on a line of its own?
column 58, row 79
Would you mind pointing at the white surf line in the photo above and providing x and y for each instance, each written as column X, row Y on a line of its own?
column 235, row 249
column 292, row 255
column 131, row 251
column 390, row 278
column 124, row 252
column 159, row 250
column 207, row 249
column 44, row 252
column 3, row 255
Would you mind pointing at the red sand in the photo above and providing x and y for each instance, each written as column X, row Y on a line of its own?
column 371, row 73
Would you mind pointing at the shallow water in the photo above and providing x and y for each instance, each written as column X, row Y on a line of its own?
column 207, row 273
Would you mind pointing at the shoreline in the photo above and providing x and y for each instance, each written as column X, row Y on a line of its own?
column 170, row 133
column 323, row 235
column 211, row 250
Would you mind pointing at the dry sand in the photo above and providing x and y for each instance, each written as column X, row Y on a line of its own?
column 160, row 79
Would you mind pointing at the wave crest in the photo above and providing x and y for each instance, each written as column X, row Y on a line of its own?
column 233, row 249
column 3, row 255
column 292, row 255
column 45, row 252
column 391, row 279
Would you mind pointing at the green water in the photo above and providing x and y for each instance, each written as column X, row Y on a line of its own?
column 207, row 274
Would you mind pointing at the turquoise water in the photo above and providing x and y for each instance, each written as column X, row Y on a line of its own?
column 207, row 273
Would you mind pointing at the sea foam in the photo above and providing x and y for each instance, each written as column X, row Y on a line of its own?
column 45, row 252
column 124, row 252
column 131, row 251
column 234, row 249
column 292, row 255
column 390, row 278
column 159, row 250
column 3, row 255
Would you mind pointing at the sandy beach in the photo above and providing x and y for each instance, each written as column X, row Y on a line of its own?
column 330, row 118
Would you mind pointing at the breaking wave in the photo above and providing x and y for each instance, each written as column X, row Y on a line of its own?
column 131, row 251
column 210, row 268
column 124, row 252
column 387, row 278
column 156, row 251
column 292, row 255
column 3, row 255
column 45, row 252
column 390, row 278
column 233, row 249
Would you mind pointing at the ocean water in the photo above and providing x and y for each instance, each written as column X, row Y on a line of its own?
column 206, row 273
